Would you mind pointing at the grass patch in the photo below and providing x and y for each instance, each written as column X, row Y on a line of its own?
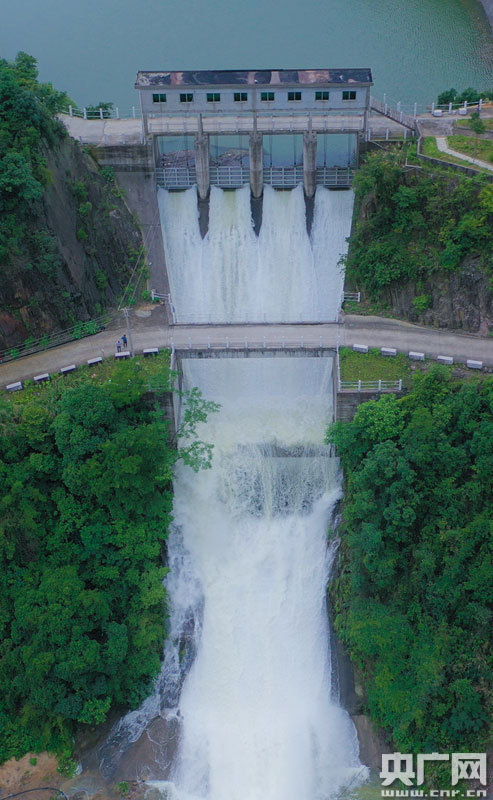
column 430, row 148
column 466, row 123
column 150, row 369
column 373, row 366
column 473, row 146
column 369, row 308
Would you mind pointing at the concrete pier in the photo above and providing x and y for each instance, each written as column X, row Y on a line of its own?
column 310, row 162
column 202, row 164
column 256, row 164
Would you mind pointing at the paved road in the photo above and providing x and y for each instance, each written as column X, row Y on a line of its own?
column 443, row 146
column 373, row 331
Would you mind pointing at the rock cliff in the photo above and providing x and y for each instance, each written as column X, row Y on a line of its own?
column 79, row 253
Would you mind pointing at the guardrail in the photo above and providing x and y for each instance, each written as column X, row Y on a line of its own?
column 79, row 331
column 370, row 386
column 263, row 123
column 97, row 112
column 205, row 345
column 355, row 297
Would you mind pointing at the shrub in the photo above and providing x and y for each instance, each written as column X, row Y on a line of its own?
column 422, row 302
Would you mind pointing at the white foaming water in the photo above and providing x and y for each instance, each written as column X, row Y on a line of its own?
column 259, row 720
column 283, row 275
column 248, row 554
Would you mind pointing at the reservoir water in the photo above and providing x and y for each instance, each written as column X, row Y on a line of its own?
column 94, row 48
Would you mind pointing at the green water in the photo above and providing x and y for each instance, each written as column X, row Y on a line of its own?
column 93, row 48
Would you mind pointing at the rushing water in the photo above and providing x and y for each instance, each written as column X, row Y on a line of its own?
column 247, row 673
column 234, row 276
column 94, row 48
column 259, row 718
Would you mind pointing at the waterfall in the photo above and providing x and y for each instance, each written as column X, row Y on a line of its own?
column 259, row 717
column 247, row 671
column 283, row 275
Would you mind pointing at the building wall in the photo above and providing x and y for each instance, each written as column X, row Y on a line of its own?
column 227, row 103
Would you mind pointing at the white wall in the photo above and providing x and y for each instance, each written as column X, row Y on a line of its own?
column 227, row 103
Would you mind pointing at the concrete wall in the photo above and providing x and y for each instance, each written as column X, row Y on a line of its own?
column 348, row 402
column 228, row 104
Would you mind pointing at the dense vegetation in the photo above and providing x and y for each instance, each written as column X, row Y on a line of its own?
column 68, row 243
column 468, row 95
column 411, row 223
column 85, row 504
column 27, row 120
column 414, row 598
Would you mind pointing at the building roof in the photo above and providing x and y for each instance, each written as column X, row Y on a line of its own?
column 266, row 77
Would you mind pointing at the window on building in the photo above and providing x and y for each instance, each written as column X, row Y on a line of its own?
column 349, row 95
column 267, row 97
column 294, row 95
column 321, row 95
column 186, row 98
column 213, row 97
column 158, row 98
column 240, row 97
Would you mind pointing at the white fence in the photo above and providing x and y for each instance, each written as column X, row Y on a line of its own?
column 355, row 297
column 370, row 386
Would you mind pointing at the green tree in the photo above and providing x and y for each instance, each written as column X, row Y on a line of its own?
column 413, row 602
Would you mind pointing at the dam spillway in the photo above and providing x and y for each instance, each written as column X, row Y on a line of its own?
column 283, row 275
column 247, row 679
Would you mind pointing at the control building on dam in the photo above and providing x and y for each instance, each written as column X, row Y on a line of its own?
column 234, row 127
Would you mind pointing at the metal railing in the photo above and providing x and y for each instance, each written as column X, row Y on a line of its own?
column 229, row 177
column 354, row 297
column 334, row 176
column 205, row 345
column 102, row 113
column 370, row 386
column 264, row 123
column 283, row 177
column 176, row 177
column 388, row 135
column 79, row 331
column 393, row 113
column 232, row 177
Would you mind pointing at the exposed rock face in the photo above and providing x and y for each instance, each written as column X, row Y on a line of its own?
column 488, row 7
column 371, row 742
column 90, row 240
column 461, row 300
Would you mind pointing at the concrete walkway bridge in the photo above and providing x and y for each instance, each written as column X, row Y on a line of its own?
column 203, row 341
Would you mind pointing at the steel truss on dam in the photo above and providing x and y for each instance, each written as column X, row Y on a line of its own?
column 255, row 104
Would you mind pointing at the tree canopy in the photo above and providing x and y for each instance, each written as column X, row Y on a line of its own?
column 410, row 223
column 414, row 599
column 28, row 111
column 85, row 506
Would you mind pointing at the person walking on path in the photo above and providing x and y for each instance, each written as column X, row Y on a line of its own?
column 119, row 346
column 124, row 340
